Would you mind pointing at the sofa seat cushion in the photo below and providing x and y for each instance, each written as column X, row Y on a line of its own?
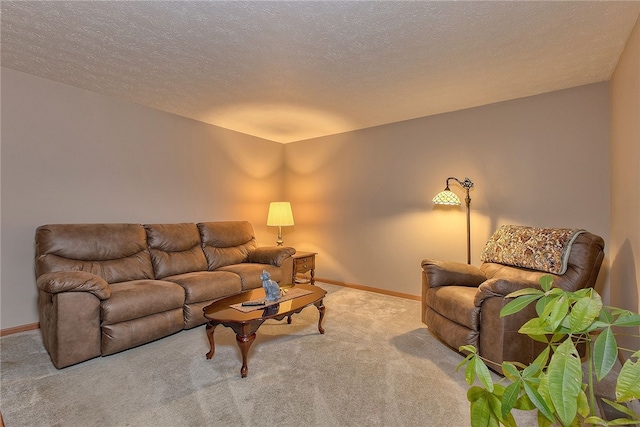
column 124, row 335
column 250, row 274
column 207, row 285
column 140, row 298
column 455, row 303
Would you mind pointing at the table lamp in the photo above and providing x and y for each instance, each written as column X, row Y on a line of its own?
column 280, row 215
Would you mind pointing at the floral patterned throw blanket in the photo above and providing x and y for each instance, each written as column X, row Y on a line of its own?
column 543, row 249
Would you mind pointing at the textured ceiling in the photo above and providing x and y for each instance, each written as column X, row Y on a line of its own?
column 288, row 71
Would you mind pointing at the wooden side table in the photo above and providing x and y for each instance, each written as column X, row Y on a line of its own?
column 303, row 262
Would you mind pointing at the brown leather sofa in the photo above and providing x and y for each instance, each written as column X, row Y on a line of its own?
column 461, row 303
column 104, row 288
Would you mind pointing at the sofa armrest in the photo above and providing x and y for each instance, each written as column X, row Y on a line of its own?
column 500, row 288
column 273, row 255
column 74, row 281
column 451, row 273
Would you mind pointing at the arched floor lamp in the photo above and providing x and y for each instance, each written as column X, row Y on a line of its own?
column 448, row 197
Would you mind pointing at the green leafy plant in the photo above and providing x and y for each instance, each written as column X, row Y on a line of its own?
column 553, row 384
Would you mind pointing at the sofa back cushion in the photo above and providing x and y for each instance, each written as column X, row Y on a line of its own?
column 115, row 252
column 227, row 242
column 175, row 249
column 583, row 265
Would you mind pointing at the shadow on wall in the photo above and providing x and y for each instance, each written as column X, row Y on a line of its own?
column 624, row 290
column 247, row 170
column 249, row 154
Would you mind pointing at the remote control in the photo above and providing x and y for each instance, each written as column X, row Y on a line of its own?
column 253, row 303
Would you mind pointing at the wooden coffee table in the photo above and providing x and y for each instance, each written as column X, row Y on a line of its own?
column 246, row 324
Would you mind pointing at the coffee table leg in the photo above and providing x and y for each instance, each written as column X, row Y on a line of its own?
column 244, row 342
column 320, row 306
column 210, row 329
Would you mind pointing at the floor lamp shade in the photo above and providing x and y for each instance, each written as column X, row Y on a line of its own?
column 280, row 215
column 447, row 197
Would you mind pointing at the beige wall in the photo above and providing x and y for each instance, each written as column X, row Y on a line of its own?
column 70, row 155
column 363, row 199
column 625, row 181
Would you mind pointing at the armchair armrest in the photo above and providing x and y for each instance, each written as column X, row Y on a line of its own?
column 500, row 339
column 273, row 255
column 501, row 288
column 74, row 281
column 451, row 273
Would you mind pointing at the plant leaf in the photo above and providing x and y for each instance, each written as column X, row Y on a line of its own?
column 468, row 349
column 628, row 383
column 565, row 381
column 605, row 352
column 538, row 401
column 541, row 304
column 509, row 421
column 596, row 421
column 628, row 319
column 583, row 404
column 543, row 421
column 535, row 368
column 617, row 422
column 471, row 349
column 525, row 291
column 540, row 338
column 559, row 309
column 480, row 412
column 518, row 304
column 469, row 371
column 496, row 405
column 543, row 389
column 535, row 326
column 605, row 316
column 598, row 324
column 482, row 372
column 524, row 403
column 583, row 313
column 581, row 293
column 557, row 338
column 474, row 393
column 546, row 282
column 510, row 397
column 622, row 408
column 510, row 371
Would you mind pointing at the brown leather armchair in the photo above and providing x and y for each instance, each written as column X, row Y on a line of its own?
column 461, row 303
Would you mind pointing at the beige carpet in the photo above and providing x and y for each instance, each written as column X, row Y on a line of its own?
column 376, row 365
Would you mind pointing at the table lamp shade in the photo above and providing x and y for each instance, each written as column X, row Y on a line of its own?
column 280, row 214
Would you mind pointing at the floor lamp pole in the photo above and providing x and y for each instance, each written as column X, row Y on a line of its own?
column 468, row 203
